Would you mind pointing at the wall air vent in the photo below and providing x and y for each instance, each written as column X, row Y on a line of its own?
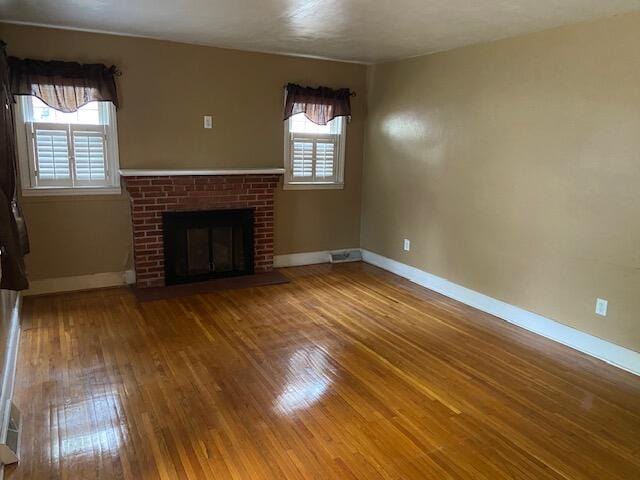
column 346, row 256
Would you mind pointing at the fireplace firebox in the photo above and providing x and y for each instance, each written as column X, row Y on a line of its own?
column 206, row 244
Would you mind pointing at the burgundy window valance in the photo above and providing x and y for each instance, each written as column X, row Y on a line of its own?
column 320, row 105
column 65, row 86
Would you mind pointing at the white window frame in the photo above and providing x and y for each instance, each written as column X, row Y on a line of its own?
column 33, row 186
column 291, row 183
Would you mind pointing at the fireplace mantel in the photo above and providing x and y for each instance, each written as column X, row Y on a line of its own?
column 219, row 171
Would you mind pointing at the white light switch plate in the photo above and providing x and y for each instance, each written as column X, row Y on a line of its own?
column 208, row 121
column 407, row 245
column 601, row 307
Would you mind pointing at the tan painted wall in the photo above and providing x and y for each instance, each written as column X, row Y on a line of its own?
column 165, row 90
column 514, row 168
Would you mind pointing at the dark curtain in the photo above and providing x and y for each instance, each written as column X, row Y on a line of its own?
column 65, row 86
column 320, row 105
column 14, row 243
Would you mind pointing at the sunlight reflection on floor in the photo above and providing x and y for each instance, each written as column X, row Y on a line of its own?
column 87, row 426
column 308, row 378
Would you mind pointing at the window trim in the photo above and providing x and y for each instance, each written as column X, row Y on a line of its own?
column 26, row 155
column 338, row 184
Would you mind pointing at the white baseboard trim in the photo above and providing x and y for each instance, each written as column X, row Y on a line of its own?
column 14, row 301
column 307, row 258
column 613, row 354
column 81, row 282
column 298, row 259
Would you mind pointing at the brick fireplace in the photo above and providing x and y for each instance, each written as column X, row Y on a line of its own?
column 151, row 195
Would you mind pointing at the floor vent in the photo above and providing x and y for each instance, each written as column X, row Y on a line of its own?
column 10, row 444
column 346, row 256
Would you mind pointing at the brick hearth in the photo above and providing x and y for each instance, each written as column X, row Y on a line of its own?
column 152, row 195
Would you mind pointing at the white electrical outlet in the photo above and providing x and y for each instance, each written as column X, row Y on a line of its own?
column 601, row 307
column 407, row 245
column 208, row 121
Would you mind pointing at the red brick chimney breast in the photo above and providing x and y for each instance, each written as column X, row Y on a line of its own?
column 152, row 195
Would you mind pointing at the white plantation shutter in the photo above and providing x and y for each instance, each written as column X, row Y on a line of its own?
column 52, row 154
column 89, row 154
column 69, row 155
column 313, row 157
column 301, row 157
column 314, row 154
column 63, row 152
column 325, row 159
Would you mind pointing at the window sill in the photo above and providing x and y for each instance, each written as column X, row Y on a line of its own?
column 312, row 186
column 62, row 191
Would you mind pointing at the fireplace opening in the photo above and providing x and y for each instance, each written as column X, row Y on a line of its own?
column 206, row 244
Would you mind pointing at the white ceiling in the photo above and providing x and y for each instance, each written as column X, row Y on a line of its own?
column 354, row 30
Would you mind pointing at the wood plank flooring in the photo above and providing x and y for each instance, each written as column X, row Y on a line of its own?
column 347, row 372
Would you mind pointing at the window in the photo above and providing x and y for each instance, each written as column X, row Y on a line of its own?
column 314, row 154
column 67, row 153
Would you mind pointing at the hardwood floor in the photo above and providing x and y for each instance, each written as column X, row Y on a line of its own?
column 347, row 372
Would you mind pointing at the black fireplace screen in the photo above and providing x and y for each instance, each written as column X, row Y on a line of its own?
column 207, row 244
